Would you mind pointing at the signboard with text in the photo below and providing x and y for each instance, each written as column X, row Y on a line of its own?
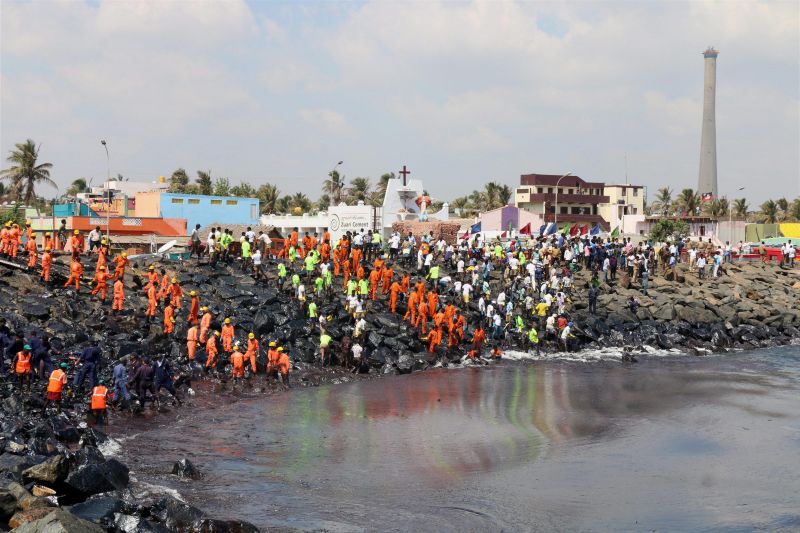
column 352, row 218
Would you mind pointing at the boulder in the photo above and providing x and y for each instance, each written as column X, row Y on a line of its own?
column 225, row 526
column 96, row 478
column 30, row 515
column 405, row 363
column 185, row 469
column 14, row 464
column 8, row 504
column 136, row 524
column 56, row 521
column 98, row 509
column 50, row 472
column 175, row 514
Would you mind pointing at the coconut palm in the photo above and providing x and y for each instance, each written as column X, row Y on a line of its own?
column 663, row 201
column 459, row 205
column 717, row 208
column 783, row 205
column 334, row 186
column 283, row 205
column 689, row 201
column 383, row 183
column 769, row 212
column 178, row 181
column 268, row 194
column 300, row 201
column 24, row 174
column 76, row 187
column 740, row 207
column 204, row 182
column 358, row 190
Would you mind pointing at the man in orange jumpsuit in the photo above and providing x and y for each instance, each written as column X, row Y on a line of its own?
column 422, row 317
column 194, row 308
column 325, row 251
column 413, row 302
column 49, row 242
column 386, row 274
column 191, row 342
column 360, row 272
column 433, row 301
column 211, row 350
column 356, row 257
column 176, row 291
column 394, row 291
column 205, row 324
column 169, row 319
column 457, row 330
column 478, row 338
column 336, row 263
column 75, row 244
column 75, row 273
column 283, row 366
column 119, row 296
column 14, row 238
column 100, row 280
column 405, row 283
column 102, row 255
column 227, row 336
column 121, row 262
column 152, row 276
column 33, row 251
column 163, row 288
column 272, row 359
column 374, row 279
column 4, row 236
column 151, row 302
column 306, row 246
column 434, row 339
column 419, row 288
column 237, row 362
column 252, row 351
column 99, row 399
column 47, row 263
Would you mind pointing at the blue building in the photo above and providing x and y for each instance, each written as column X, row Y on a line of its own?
column 197, row 208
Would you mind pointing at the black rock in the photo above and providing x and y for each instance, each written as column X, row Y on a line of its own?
column 185, row 469
column 225, row 526
column 405, row 363
column 50, row 472
column 14, row 464
column 175, row 514
column 97, row 478
column 98, row 509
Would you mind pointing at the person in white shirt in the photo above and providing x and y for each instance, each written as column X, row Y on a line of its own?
column 360, row 329
column 466, row 291
column 460, row 268
column 250, row 235
column 257, row 264
column 501, row 299
column 482, row 306
column 357, row 349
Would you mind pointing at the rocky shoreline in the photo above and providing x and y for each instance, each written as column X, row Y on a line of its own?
column 55, row 473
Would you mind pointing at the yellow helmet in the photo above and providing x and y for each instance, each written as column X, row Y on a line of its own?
column 280, row 348
column 27, row 222
column 227, row 320
column 124, row 254
column 103, row 241
column 174, row 280
column 46, row 233
column 204, row 309
column 76, row 232
column 102, row 267
column 192, row 293
column 8, row 224
column 47, row 249
column 251, row 335
column 216, row 333
column 273, row 344
column 33, row 235
column 151, row 267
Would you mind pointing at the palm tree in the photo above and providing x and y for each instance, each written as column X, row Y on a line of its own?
column 204, row 182
column 717, row 208
column 2, row 189
column 783, row 205
column 477, row 202
column 323, row 203
column 300, row 201
column 268, row 194
column 459, row 205
column 795, row 211
column 769, row 212
column 283, row 204
column 358, row 190
column 689, row 201
column 334, row 186
column 663, row 200
column 76, row 187
column 24, row 174
column 178, row 181
column 740, row 207
column 380, row 188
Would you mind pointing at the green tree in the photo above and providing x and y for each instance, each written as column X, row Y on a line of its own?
column 769, row 212
column 178, row 181
column 783, row 205
column 323, row 203
column 717, row 207
column 666, row 229
column 299, row 201
column 283, row 205
column 663, row 201
column 243, row 190
column 268, row 195
column 689, row 201
column 740, row 207
column 794, row 213
column 358, row 190
column 76, row 187
column 192, row 188
column 25, row 174
column 204, row 182
column 334, row 186
column 459, row 206
column 380, row 188
column 222, row 187
column 2, row 189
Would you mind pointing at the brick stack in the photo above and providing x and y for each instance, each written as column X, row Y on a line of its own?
column 448, row 230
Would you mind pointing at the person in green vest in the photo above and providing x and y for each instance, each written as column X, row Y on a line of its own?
column 312, row 309
column 310, row 262
column 376, row 244
column 498, row 251
column 318, row 285
column 433, row 276
column 519, row 323
column 533, row 339
column 324, row 344
column 246, row 255
column 295, row 281
column 328, row 281
column 292, row 254
column 281, row 275
column 363, row 287
column 522, row 259
column 352, row 285
column 225, row 241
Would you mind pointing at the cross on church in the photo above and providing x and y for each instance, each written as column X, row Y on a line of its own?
column 405, row 172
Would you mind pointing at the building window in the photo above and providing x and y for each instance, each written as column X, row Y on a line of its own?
column 231, row 202
column 634, row 210
column 563, row 210
column 194, row 201
column 549, row 190
column 623, row 191
column 253, row 211
column 540, row 190
column 216, row 202
column 569, row 191
column 177, row 200
column 635, row 192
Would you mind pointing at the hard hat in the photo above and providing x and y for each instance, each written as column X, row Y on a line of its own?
column 204, row 308
column 216, row 333
column 76, row 232
column 33, row 235
column 46, row 233
column 103, row 241
column 124, row 254
column 227, row 320
column 47, row 249
column 273, row 344
column 251, row 335
column 8, row 224
column 102, row 267
column 27, row 222
column 280, row 348
column 151, row 267
column 174, row 280
column 26, row 347
column 192, row 293
column 64, row 365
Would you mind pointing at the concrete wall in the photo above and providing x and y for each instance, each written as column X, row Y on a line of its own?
column 204, row 210
column 148, row 204
column 499, row 219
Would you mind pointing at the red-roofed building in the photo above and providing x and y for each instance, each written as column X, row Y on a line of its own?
column 578, row 201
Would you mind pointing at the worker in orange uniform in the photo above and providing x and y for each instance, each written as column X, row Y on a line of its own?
column 163, row 288
column 478, row 338
column 75, row 273
column 272, row 359
column 102, row 255
column 405, row 283
column 434, row 339
column 422, row 317
column 99, row 402
column 75, row 244
column 252, row 351
column 152, row 302
column 175, row 291
column 22, row 367
column 152, row 276
column 237, row 363
column 100, row 280
column 119, row 296
column 4, row 236
column 306, row 245
column 346, row 269
column 419, row 287
column 374, row 279
column 205, row 324
column 393, row 292
column 413, row 303
column 169, row 319
column 283, row 367
column 356, row 258
column 121, row 262
column 227, row 336
column 33, row 251
column 49, row 242
column 192, row 338
column 387, row 273
column 433, row 301
column 15, row 235
column 360, row 272
column 325, row 251
column 47, row 264
column 439, row 320
column 211, row 351
column 456, row 330
column 55, row 385
column 337, row 266
column 194, row 308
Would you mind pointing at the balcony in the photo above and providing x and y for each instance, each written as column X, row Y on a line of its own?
column 550, row 198
column 567, row 218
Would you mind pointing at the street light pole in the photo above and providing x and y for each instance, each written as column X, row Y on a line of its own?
column 555, row 213
column 108, row 195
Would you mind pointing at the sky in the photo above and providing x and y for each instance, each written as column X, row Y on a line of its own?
column 461, row 92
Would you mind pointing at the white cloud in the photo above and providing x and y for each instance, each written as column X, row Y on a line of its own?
column 324, row 118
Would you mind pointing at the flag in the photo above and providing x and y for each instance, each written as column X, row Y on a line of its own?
column 503, row 235
column 543, row 229
column 615, row 233
column 465, row 236
column 526, row 229
column 574, row 230
column 595, row 230
column 475, row 228
column 551, row 228
column 510, row 226
column 707, row 197
column 585, row 229
column 566, row 229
